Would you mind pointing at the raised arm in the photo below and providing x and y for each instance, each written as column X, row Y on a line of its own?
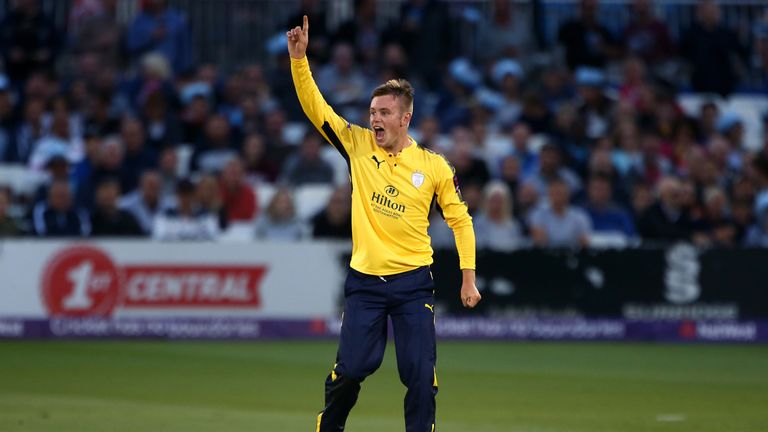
column 335, row 129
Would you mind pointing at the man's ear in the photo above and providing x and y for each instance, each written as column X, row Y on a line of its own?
column 406, row 119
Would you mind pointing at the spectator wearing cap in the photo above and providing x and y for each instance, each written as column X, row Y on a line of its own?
column 712, row 51
column 507, row 75
column 559, row 224
column 495, row 227
column 162, row 29
column 187, row 220
column 7, row 121
column 586, row 41
column 307, row 166
column 58, row 217
column 29, row 41
column 237, row 196
column 107, row 219
column 9, row 226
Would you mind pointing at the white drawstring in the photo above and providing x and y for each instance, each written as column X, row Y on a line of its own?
column 382, row 278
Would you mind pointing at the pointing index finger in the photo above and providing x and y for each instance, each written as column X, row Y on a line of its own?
column 305, row 28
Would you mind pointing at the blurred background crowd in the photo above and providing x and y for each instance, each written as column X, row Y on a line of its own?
column 569, row 123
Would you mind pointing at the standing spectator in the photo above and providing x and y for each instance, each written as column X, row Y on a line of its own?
column 667, row 220
column 307, row 166
column 28, row 39
column 712, row 50
column 58, row 217
column 9, row 226
column 559, row 224
column 237, row 196
column 425, row 32
column 334, row 221
column 94, row 28
column 495, row 227
column 606, row 216
column 279, row 222
column 360, row 32
column 160, row 28
column 508, row 33
column 146, row 202
column 646, row 36
column 586, row 41
column 186, row 220
column 107, row 219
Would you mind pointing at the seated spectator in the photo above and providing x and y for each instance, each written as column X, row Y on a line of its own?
column 716, row 224
column 237, row 196
column 60, row 140
column 9, row 226
column 606, row 216
column 559, row 224
column 186, row 220
column 343, row 82
column 667, row 220
column 107, row 219
column 550, row 167
column 162, row 125
column 306, row 166
column 146, row 202
column 258, row 166
column 757, row 236
column 218, row 147
column 58, row 217
column 279, row 222
column 335, row 221
column 521, row 141
column 8, row 121
column 56, row 168
column 108, row 164
column 469, row 168
column 209, row 196
column 495, row 227
column 440, row 233
column 138, row 156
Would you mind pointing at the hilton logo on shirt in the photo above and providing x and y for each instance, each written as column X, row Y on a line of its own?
column 383, row 205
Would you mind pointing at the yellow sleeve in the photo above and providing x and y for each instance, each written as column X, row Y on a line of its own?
column 334, row 129
column 455, row 213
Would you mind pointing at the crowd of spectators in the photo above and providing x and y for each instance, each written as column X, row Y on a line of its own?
column 132, row 135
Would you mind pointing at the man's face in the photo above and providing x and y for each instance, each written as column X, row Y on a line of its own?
column 388, row 120
column 59, row 197
column 599, row 192
column 558, row 195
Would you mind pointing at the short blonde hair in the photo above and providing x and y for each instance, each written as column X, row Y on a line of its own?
column 399, row 88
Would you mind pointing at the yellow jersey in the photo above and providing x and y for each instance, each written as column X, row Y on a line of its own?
column 392, row 194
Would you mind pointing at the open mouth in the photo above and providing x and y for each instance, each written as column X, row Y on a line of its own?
column 378, row 131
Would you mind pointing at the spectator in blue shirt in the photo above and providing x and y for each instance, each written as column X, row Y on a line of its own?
column 606, row 216
column 162, row 29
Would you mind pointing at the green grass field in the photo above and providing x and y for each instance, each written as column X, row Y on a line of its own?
column 278, row 386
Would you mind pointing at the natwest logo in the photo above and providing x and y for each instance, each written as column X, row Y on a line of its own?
column 84, row 281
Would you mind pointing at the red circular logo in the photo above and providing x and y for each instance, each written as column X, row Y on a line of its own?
column 80, row 281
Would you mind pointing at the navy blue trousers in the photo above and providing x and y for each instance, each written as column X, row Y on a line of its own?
column 407, row 298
